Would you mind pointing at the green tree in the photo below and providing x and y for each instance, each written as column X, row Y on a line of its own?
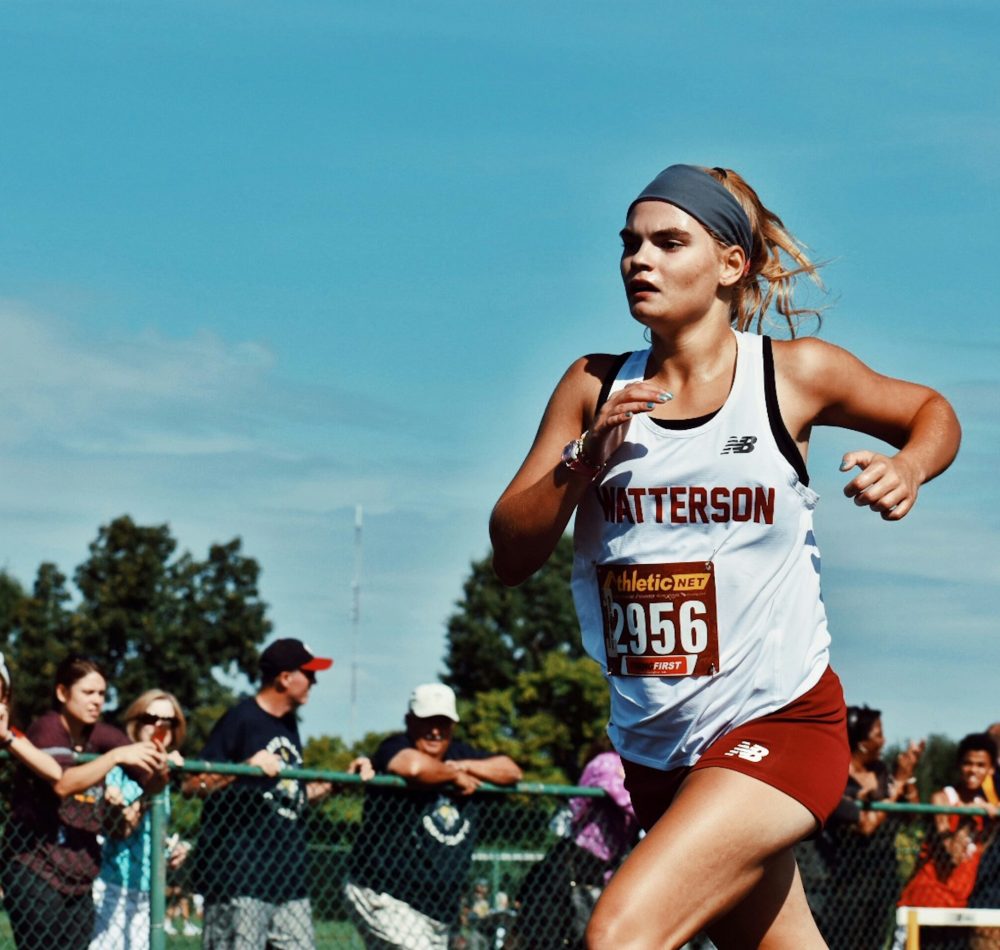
column 547, row 721
column 515, row 659
column 41, row 633
column 11, row 595
column 152, row 619
column 936, row 767
column 331, row 752
column 498, row 632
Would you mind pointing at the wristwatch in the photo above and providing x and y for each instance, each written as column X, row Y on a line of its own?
column 575, row 459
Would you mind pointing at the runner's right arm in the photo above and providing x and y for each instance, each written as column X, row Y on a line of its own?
column 533, row 511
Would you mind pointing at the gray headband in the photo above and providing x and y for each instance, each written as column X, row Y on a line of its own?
column 701, row 196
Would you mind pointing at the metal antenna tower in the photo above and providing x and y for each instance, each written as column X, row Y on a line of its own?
column 355, row 621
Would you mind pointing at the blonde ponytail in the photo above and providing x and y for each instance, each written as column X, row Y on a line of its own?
column 770, row 281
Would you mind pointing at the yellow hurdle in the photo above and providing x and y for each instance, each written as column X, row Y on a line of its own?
column 913, row 918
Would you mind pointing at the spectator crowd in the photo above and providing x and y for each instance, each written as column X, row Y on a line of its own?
column 81, row 850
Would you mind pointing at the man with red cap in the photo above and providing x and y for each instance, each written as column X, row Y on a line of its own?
column 250, row 861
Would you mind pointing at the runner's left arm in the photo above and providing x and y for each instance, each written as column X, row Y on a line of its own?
column 822, row 384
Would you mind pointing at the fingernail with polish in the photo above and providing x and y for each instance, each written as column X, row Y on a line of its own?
column 649, row 405
column 665, row 397
column 628, row 415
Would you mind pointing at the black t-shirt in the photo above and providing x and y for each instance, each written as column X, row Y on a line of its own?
column 848, row 812
column 844, row 847
column 416, row 843
column 252, row 841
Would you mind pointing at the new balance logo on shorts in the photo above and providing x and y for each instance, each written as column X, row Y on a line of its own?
column 739, row 444
column 748, row 752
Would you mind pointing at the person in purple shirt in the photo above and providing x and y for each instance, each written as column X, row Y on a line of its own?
column 51, row 840
column 606, row 827
column 559, row 893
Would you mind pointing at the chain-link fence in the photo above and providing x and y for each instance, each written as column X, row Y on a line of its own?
column 856, row 875
column 416, row 867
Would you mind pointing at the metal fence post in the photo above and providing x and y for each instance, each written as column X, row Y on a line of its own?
column 158, row 871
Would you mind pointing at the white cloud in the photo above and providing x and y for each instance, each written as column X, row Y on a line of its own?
column 206, row 435
column 119, row 394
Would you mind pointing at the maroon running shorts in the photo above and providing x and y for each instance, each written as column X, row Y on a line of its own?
column 800, row 749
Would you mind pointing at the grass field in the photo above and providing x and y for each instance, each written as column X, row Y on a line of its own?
column 330, row 935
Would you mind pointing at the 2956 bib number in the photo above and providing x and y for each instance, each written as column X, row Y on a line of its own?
column 659, row 619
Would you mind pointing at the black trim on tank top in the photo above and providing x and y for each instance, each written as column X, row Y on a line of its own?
column 782, row 437
column 685, row 423
column 602, row 398
column 609, row 380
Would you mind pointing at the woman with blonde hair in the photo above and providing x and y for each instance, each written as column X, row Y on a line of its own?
column 121, row 891
column 696, row 572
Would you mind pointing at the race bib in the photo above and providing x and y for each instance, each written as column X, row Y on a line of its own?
column 660, row 619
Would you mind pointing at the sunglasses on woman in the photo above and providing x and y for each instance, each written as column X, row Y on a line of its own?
column 148, row 719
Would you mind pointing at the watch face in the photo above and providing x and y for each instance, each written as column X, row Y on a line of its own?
column 572, row 452
column 574, row 459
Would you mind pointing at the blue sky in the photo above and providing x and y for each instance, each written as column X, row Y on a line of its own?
column 263, row 262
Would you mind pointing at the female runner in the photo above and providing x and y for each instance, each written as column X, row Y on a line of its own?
column 696, row 575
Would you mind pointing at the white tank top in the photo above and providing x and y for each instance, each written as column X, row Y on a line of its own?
column 714, row 505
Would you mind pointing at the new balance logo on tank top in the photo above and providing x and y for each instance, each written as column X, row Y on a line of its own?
column 696, row 571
